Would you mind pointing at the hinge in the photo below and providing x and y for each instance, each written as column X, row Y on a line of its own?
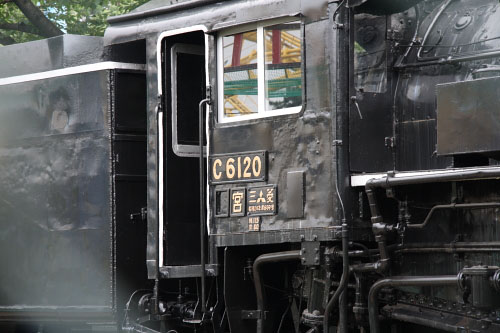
column 209, row 93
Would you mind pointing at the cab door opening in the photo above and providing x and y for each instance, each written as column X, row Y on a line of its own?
column 183, row 73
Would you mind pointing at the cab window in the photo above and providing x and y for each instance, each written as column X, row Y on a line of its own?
column 260, row 72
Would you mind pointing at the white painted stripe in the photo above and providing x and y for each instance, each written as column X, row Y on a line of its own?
column 160, row 127
column 160, row 188
column 100, row 66
column 361, row 179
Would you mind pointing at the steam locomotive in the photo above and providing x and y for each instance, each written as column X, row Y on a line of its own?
column 255, row 166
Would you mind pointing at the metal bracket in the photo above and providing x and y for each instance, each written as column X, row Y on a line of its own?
column 310, row 253
column 253, row 314
column 354, row 100
column 143, row 215
column 337, row 143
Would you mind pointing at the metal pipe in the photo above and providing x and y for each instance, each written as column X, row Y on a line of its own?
column 480, row 205
column 159, row 190
column 201, row 135
column 380, row 228
column 423, row 322
column 343, row 280
column 451, row 250
column 267, row 258
column 451, row 60
column 402, row 281
column 342, row 21
column 379, row 266
column 387, row 182
column 343, row 311
column 449, row 245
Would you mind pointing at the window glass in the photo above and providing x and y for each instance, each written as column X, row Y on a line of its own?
column 370, row 60
column 283, row 73
column 240, row 74
column 260, row 71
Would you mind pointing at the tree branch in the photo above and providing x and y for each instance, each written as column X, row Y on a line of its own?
column 38, row 19
column 21, row 26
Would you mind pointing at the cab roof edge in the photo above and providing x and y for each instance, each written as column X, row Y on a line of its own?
column 161, row 10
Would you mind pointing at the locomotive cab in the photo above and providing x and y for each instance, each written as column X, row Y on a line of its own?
column 261, row 77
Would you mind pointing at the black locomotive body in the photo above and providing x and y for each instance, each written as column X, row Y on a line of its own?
column 255, row 166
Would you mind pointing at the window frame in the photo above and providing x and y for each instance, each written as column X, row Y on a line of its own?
column 182, row 150
column 261, row 80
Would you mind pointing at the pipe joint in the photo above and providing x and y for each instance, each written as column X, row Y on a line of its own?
column 382, row 265
column 380, row 229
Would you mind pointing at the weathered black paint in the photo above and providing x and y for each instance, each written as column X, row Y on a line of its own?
column 72, row 152
column 49, row 54
column 467, row 119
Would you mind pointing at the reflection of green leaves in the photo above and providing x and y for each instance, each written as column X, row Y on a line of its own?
column 82, row 17
column 358, row 48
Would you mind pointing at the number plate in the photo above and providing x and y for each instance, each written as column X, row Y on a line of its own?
column 236, row 168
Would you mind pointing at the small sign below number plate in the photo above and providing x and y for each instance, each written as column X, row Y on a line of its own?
column 254, row 223
column 262, row 200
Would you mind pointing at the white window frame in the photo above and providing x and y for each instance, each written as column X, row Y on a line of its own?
column 261, row 82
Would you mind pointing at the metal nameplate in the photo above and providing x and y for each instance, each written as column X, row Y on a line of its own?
column 237, row 168
column 254, row 223
column 238, row 200
column 262, row 200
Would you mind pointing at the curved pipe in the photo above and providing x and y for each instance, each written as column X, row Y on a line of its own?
column 402, row 281
column 267, row 258
column 343, row 280
column 380, row 228
column 480, row 205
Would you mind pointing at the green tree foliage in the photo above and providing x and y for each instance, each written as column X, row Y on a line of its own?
column 19, row 22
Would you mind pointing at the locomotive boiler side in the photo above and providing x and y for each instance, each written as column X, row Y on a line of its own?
column 435, row 119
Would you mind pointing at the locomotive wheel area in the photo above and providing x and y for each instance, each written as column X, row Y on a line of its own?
column 255, row 166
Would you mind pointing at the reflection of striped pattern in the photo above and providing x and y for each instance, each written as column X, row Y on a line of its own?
column 290, row 48
column 283, row 70
column 276, row 88
column 282, row 83
column 237, row 105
